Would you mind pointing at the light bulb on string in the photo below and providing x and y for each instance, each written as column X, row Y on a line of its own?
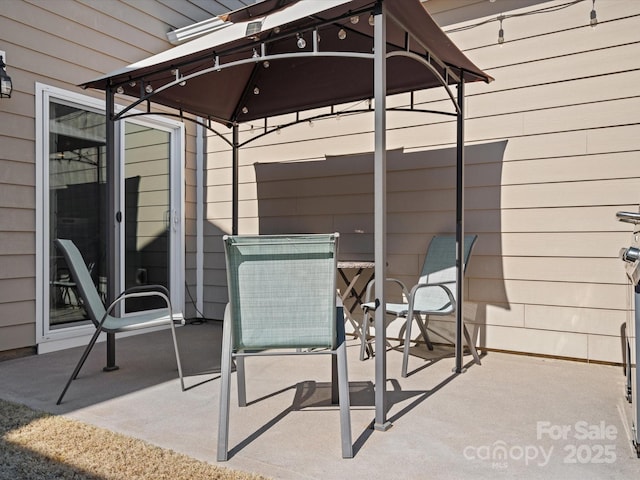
column 501, row 31
column 301, row 41
column 342, row 34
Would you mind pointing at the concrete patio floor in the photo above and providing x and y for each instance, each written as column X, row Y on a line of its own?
column 513, row 417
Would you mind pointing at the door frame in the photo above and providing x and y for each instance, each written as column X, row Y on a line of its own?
column 48, row 340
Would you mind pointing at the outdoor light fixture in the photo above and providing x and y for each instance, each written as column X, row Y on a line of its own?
column 148, row 89
column 253, row 28
column 256, row 90
column 593, row 19
column 342, row 34
column 301, row 41
column 501, row 31
column 5, row 80
column 355, row 19
column 120, row 89
column 266, row 64
column 245, row 110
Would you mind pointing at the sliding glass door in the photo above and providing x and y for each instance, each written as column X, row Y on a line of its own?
column 148, row 193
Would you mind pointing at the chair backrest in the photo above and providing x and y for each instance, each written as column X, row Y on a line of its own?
column 440, row 264
column 282, row 290
column 81, row 276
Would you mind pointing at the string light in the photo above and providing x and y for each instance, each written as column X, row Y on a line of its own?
column 593, row 18
column 342, row 34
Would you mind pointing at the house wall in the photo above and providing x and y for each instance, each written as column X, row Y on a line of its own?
column 62, row 43
column 552, row 156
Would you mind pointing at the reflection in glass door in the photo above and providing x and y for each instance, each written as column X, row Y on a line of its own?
column 147, row 210
column 77, row 189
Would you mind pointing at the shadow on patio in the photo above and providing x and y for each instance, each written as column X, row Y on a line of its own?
column 498, row 419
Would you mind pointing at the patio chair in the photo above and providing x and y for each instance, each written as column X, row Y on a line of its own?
column 102, row 318
column 282, row 301
column 434, row 294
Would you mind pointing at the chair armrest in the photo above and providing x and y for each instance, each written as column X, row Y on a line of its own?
column 159, row 291
column 420, row 286
column 367, row 296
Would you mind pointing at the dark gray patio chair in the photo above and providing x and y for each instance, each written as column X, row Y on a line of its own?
column 103, row 319
column 282, row 301
column 434, row 294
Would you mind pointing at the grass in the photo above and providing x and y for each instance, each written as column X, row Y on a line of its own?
column 38, row 446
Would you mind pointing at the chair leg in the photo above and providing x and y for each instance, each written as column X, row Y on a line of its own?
column 343, row 391
column 225, row 377
column 175, row 346
column 83, row 358
column 407, row 344
column 423, row 330
column 242, row 384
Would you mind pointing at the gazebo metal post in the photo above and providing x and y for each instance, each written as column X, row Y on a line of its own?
column 380, row 211
column 234, row 179
column 460, row 226
column 113, row 218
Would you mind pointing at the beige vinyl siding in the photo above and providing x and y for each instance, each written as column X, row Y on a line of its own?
column 564, row 96
column 63, row 43
column 552, row 155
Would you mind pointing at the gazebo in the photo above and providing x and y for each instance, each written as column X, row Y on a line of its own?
column 290, row 56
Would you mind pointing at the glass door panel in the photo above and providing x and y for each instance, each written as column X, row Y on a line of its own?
column 77, row 193
column 147, row 210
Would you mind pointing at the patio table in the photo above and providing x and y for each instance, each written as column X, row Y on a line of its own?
column 345, row 269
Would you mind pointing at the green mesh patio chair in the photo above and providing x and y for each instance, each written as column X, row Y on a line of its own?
column 434, row 294
column 282, row 301
column 103, row 319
